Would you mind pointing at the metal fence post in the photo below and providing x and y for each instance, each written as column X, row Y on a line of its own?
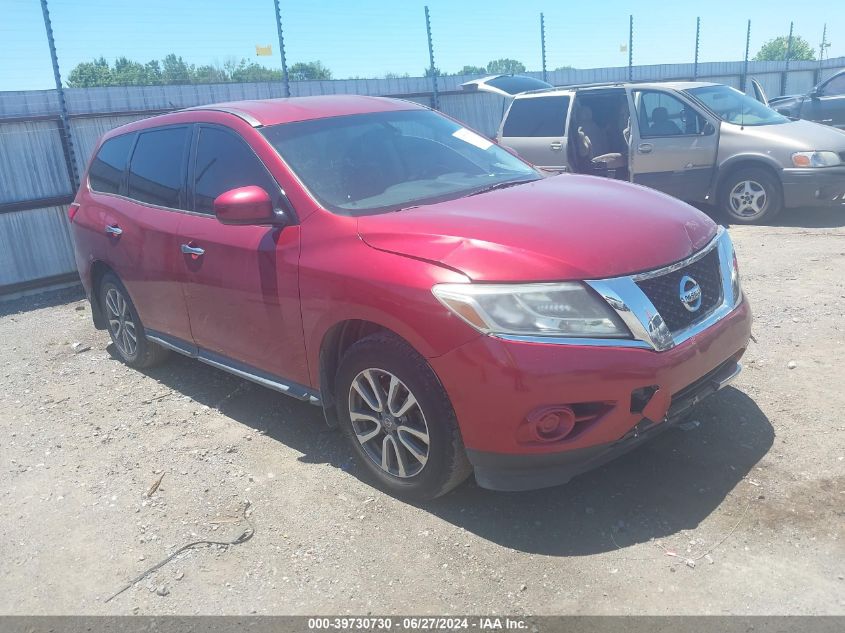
column 285, row 78
column 543, row 44
column 697, row 37
column 817, row 75
column 630, row 48
column 435, row 99
column 64, row 124
column 786, row 67
column 745, row 66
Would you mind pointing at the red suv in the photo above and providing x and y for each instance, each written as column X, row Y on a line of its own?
column 451, row 309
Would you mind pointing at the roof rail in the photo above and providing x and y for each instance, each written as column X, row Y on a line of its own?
column 603, row 84
column 244, row 116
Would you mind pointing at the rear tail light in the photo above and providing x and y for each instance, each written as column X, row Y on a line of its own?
column 72, row 210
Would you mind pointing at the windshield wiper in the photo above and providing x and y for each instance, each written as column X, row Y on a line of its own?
column 503, row 185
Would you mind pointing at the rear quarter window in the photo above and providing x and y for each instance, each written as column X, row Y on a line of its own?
column 108, row 166
column 537, row 116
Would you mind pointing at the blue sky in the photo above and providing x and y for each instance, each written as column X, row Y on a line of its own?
column 371, row 37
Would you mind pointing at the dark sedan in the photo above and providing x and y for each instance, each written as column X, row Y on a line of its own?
column 823, row 104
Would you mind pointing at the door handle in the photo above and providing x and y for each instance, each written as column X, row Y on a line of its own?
column 194, row 251
column 113, row 229
column 556, row 146
column 645, row 148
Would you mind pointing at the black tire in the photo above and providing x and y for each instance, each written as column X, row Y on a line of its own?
column 750, row 182
column 446, row 465
column 119, row 316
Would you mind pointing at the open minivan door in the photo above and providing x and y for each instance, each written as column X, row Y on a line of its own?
column 758, row 92
column 505, row 85
column 673, row 143
column 535, row 127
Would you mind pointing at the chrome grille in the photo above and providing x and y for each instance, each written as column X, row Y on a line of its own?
column 664, row 291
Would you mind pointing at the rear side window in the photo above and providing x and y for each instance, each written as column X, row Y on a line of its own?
column 106, row 172
column 156, row 169
column 224, row 161
column 537, row 116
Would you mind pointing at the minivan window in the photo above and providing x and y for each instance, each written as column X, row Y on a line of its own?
column 732, row 106
column 106, row 172
column 226, row 162
column 662, row 114
column 385, row 161
column 537, row 116
column 155, row 171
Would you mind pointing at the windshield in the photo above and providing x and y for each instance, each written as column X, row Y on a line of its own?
column 385, row 161
column 733, row 106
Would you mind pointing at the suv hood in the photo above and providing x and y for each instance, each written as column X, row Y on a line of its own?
column 561, row 228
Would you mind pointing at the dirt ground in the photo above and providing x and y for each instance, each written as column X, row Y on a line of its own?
column 743, row 514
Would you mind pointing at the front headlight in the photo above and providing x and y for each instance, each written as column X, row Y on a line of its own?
column 816, row 159
column 560, row 309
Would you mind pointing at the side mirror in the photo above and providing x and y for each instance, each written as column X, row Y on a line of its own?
column 245, row 205
column 815, row 93
column 709, row 129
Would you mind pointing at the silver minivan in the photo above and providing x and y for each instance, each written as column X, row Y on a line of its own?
column 698, row 141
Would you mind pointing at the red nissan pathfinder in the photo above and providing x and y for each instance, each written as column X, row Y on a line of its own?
column 451, row 309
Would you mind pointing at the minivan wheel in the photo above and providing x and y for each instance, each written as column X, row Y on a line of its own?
column 751, row 195
column 398, row 419
column 125, row 327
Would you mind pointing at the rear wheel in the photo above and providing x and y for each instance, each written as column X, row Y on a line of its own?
column 751, row 195
column 125, row 327
column 398, row 419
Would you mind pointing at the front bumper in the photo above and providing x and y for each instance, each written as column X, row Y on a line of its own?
column 495, row 385
column 814, row 187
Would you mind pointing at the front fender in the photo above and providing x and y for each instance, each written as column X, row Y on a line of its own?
column 750, row 158
column 344, row 279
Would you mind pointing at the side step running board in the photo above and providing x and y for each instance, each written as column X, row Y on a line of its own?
column 271, row 381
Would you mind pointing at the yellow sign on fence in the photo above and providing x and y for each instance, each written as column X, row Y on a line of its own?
column 264, row 51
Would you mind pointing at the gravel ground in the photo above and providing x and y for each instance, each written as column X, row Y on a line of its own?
column 742, row 514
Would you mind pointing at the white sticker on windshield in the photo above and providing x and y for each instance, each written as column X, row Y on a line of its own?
column 472, row 138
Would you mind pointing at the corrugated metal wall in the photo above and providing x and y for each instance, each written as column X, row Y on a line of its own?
column 34, row 181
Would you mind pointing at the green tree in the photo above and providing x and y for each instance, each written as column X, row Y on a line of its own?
column 472, row 70
column 565, row 68
column 505, row 66
column 428, row 72
column 775, row 50
column 128, row 73
column 252, row 72
column 208, row 74
column 90, row 74
column 174, row 70
column 302, row 71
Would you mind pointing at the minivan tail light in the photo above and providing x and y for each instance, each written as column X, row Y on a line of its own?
column 72, row 210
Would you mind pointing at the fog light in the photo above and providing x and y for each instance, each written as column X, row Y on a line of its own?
column 549, row 424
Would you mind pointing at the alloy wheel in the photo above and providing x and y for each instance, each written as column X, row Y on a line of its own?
column 748, row 199
column 388, row 422
column 121, row 324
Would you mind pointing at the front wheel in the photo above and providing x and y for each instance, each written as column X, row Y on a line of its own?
column 751, row 195
column 399, row 420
